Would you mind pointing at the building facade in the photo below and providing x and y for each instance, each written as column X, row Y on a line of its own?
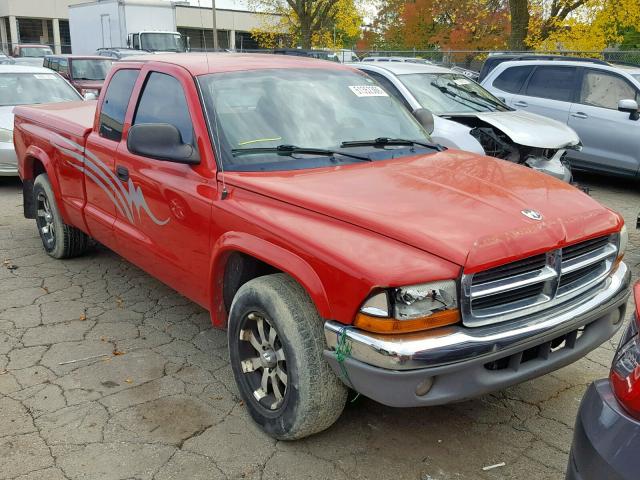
column 47, row 22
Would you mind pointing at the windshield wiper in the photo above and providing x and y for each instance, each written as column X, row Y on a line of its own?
column 386, row 141
column 292, row 149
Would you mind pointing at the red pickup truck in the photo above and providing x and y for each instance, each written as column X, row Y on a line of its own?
column 310, row 213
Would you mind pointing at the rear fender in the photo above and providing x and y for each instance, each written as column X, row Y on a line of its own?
column 28, row 173
column 269, row 253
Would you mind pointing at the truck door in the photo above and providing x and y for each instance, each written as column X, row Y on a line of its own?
column 167, row 233
column 104, row 194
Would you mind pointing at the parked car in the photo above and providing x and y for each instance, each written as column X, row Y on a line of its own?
column 27, row 54
column 25, row 85
column 600, row 102
column 495, row 59
column 468, row 117
column 338, row 245
column 299, row 52
column 5, row 60
column 395, row 59
column 606, row 438
column 120, row 53
column 85, row 73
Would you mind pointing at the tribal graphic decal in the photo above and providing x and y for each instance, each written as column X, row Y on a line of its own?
column 127, row 200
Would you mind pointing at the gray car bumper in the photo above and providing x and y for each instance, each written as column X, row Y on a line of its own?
column 606, row 441
column 456, row 363
column 8, row 160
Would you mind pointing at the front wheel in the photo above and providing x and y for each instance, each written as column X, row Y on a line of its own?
column 276, row 344
column 58, row 239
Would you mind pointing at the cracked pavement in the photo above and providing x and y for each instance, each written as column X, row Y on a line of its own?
column 105, row 373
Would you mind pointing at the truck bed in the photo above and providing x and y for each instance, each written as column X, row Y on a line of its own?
column 74, row 118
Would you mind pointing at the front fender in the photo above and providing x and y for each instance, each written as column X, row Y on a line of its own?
column 272, row 254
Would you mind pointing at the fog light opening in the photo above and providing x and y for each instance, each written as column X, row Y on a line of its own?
column 423, row 387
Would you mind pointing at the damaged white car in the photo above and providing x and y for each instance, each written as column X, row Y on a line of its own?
column 461, row 114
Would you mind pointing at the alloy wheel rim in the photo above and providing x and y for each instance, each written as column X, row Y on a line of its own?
column 44, row 216
column 263, row 361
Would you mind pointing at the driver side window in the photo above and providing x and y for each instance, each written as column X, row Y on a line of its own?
column 163, row 101
column 602, row 89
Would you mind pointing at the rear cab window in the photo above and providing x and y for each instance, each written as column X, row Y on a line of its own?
column 552, row 82
column 114, row 106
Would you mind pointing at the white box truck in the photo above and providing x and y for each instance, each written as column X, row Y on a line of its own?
column 140, row 24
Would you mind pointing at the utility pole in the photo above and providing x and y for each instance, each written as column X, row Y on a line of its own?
column 215, row 29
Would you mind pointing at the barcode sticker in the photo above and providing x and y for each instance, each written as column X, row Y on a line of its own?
column 368, row 91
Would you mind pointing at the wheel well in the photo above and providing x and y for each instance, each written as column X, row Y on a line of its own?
column 27, row 186
column 239, row 269
column 37, row 168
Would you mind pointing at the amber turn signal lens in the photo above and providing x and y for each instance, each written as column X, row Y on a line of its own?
column 391, row 325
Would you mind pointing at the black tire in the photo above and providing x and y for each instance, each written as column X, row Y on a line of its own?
column 313, row 396
column 58, row 239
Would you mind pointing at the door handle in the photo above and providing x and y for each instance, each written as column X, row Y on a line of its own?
column 580, row 115
column 122, row 173
column 520, row 104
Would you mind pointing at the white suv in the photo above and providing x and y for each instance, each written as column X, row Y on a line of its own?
column 600, row 102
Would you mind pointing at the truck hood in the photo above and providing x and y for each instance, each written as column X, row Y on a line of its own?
column 531, row 130
column 462, row 207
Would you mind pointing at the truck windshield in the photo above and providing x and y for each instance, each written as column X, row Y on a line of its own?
column 162, row 42
column 32, row 88
column 35, row 52
column 450, row 93
column 90, row 69
column 309, row 108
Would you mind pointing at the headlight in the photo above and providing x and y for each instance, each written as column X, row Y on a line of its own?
column 410, row 309
column 6, row 136
column 623, row 240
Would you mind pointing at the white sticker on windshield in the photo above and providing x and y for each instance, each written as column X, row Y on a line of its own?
column 44, row 76
column 368, row 91
column 461, row 81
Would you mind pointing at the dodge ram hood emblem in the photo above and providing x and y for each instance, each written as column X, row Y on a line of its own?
column 532, row 214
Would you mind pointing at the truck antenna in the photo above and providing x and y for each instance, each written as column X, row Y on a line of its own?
column 216, row 143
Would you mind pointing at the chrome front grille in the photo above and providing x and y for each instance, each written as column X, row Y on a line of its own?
column 537, row 282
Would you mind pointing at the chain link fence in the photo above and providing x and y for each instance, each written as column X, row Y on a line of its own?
column 473, row 59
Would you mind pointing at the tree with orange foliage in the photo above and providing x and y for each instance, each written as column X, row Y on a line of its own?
column 444, row 24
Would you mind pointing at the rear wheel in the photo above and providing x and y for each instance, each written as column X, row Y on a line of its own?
column 276, row 344
column 58, row 239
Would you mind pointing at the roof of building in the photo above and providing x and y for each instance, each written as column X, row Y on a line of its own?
column 202, row 63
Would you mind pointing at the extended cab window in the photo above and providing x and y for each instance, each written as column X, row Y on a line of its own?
column 602, row 89
column 163, row 101
column 115, row 104
column 512, row 79
column 555, row 83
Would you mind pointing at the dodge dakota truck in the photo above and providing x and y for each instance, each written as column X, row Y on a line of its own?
column 311, row 214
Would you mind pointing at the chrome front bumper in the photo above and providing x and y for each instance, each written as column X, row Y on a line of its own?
column 454, row 344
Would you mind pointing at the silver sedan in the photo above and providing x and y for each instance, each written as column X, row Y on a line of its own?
column 25, row 85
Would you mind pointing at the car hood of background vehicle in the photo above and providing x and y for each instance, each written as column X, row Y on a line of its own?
column 6, row 117
column 462, row 207
column 531, row 130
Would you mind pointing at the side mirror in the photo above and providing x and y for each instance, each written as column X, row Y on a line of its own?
column 631, row 107
column 90, row 96
column 161, row 141
column 425, row 118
